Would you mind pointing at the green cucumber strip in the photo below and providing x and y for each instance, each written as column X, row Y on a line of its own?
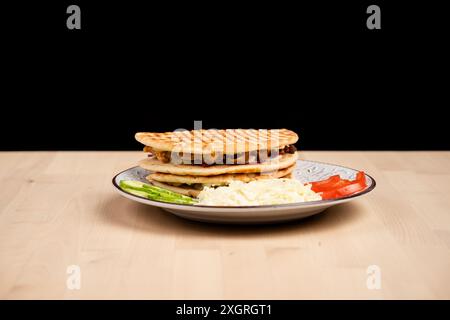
column 162, row 190
column 157, row 198
column 154, row 193
column 132, row 184
column 136, row 192
column 140, row 186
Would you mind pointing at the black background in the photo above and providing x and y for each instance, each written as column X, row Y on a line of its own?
column 311, row 67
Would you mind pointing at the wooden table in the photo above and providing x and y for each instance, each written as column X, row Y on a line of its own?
column 59, row 209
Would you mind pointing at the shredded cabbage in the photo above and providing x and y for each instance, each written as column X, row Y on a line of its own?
column 259, row 192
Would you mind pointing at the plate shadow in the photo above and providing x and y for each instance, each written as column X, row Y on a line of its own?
column 128, row 214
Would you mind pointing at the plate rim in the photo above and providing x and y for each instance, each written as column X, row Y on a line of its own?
column 268, row 206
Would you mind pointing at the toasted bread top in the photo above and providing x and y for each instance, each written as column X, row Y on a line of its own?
column 229, row 141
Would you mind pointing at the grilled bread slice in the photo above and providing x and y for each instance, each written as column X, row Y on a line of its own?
column 212, row 141
column 280, row 162
column 222, row 179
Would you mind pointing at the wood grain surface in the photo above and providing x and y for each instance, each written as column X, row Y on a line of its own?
column 59, row 209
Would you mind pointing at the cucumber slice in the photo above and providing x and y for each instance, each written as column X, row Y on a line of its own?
column 142, row 194
column 154, row 193
column 165, row 191
column 131, row 184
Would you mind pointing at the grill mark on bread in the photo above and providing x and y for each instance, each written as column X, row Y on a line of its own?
column 225, row 141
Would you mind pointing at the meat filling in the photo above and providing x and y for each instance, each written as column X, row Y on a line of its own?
column 259, row 156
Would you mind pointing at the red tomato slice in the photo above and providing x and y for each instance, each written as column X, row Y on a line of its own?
column 335, row 187
column 350, row 189
column 331, row 186
column 326, row 195
column 330, row 180
column 361, row 177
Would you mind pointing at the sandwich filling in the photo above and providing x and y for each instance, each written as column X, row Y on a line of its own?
column 258, row 156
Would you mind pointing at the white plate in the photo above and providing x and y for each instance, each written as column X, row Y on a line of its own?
column 305, row 171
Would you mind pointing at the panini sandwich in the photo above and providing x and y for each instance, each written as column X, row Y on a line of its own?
column 186, row 161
